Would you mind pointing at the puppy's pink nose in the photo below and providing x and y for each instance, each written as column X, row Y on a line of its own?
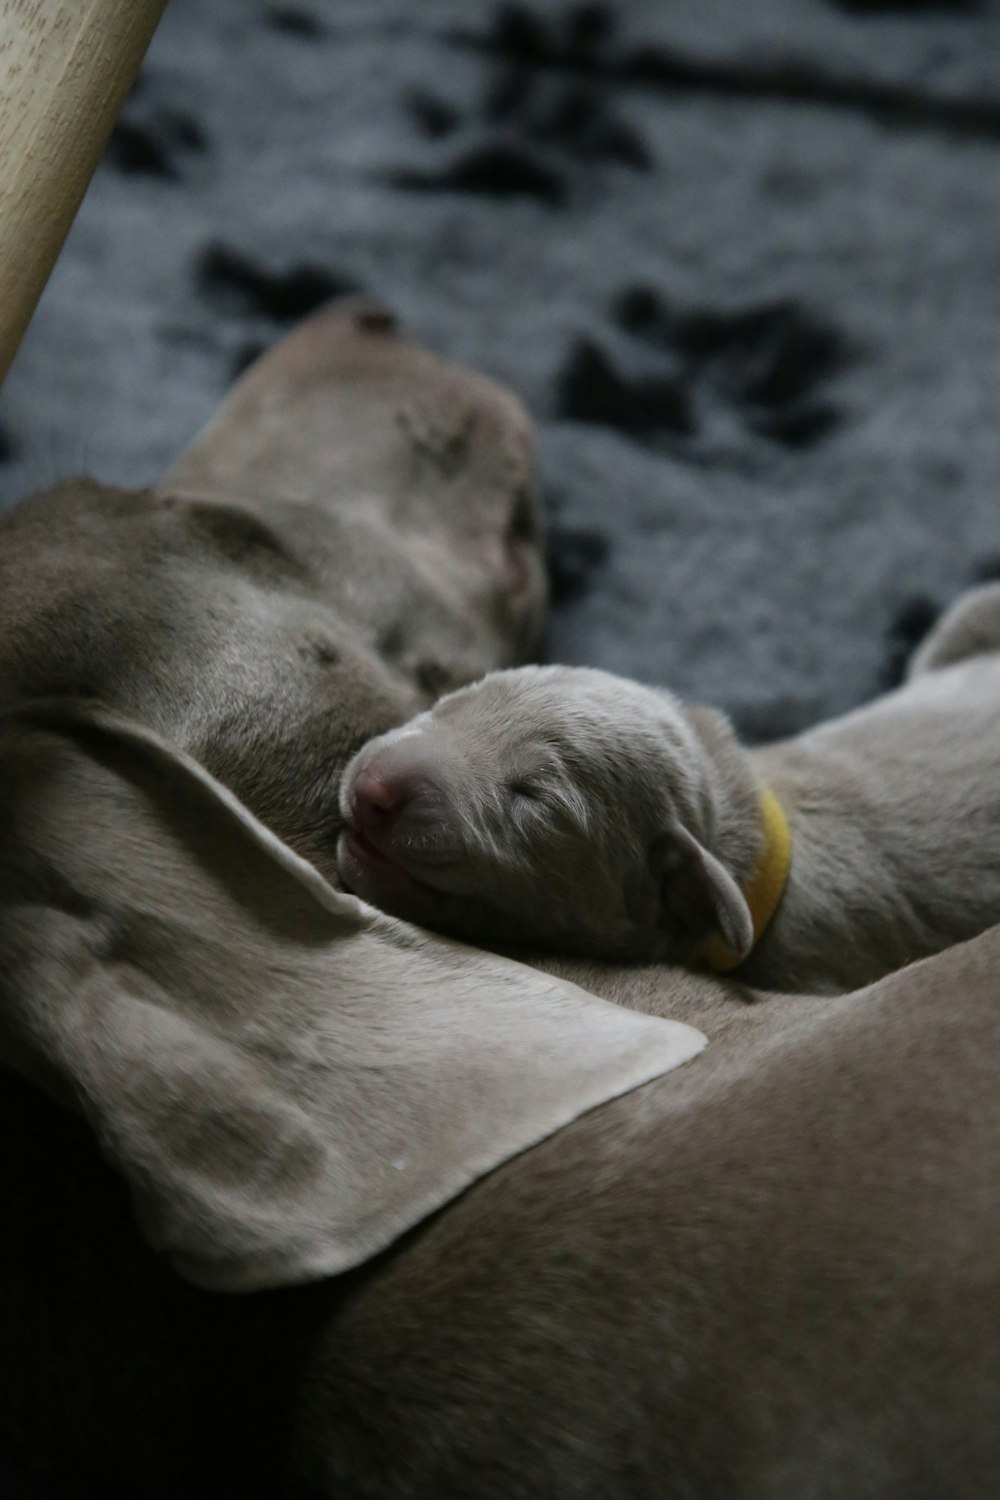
column 377, row 798
column 377, row 790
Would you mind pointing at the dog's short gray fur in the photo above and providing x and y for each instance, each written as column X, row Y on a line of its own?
column 770, row 1274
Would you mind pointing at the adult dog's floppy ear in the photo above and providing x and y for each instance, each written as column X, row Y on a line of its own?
column 287, row 1079
column 699, row 899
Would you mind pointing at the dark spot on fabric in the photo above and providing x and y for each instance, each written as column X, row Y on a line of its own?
column 642, row 311
column 573, row 113
column 986, row 570
column 508, row 96
column 797, row 426
column 575, row 120
column 904, row 7
column 434, row 115
column 533, row 121
column 153, row 140
column 575, row 39
column 495, row 170
column 518, row 33
column 589, row 28
column 235, row 284
column 790, row 80
column 579, row 123
column 775, row 352
column 911, row 623
column 188, row 132
column 591, row 388
column 8, row 447
column 133, row 150
column 573, row 558
column 294, row 21
column 766, row 362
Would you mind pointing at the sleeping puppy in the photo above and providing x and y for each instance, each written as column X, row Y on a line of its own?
column 571, row 810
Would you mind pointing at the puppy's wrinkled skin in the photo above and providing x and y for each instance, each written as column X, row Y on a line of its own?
column 578, row 812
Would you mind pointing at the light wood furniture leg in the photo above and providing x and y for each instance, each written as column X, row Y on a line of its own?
column 65, row 68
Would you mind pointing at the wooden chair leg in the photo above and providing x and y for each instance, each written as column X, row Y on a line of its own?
column 65, row 68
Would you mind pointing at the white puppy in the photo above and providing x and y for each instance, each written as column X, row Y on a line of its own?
column 568, row 809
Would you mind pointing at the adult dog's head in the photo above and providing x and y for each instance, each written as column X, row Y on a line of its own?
column 355, row 533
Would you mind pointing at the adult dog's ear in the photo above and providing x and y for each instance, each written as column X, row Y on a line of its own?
column 699, row 899
column 346, row 415
column 287, row 1078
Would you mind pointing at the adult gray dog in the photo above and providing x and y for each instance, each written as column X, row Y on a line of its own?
column 769, row 1273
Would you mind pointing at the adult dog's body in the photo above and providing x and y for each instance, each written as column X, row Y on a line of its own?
column 771, row 1280
column 770, row 1274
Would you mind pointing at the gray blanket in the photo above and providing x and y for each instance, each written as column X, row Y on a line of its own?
column 740, row 260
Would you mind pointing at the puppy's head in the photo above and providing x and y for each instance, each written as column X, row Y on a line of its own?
column 546, row 806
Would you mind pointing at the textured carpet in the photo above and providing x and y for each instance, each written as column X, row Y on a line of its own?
column 740, row 260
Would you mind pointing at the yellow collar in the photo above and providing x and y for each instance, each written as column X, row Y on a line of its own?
column 766, row 888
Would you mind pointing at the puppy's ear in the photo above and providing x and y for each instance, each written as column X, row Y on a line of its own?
column 698, row 897
column 287, row 1079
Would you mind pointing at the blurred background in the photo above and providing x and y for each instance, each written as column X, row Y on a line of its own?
column 740, row 258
